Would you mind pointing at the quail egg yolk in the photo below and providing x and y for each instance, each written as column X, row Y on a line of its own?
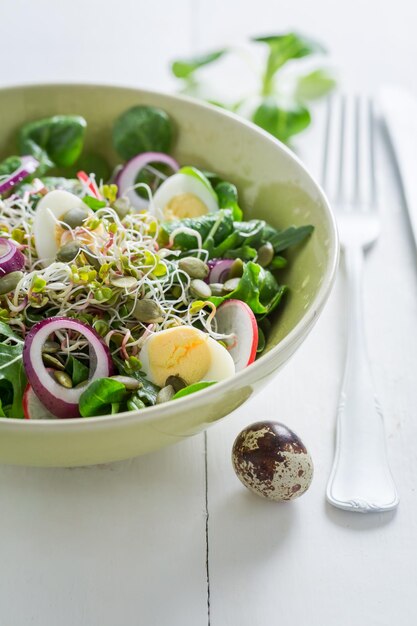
column 185, row 205
column 180, row 351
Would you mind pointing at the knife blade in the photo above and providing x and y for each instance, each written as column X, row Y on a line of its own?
column 399, row 110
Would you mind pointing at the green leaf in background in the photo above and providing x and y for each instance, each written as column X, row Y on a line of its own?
column 284, row 48
column 142, row 129
column 56, row 140
column 227, row 197
column 314, row 85
column 184, row 68
column 281, row 122
column 100, row 395
column 192, row 389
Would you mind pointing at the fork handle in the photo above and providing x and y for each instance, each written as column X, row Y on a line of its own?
column 360, row 479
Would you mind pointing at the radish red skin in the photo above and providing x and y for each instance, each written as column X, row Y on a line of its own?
column 250, row 320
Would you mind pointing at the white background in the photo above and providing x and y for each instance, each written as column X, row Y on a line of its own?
column 126, row 543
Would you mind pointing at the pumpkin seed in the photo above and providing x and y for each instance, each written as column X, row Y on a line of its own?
column 124, row 282
column 195, row 268
column 231, row 284
column 67, row 253
column 121, row 206
column 236, row 269
column 52, row 361
column 9, row 282
column 74, row 217
column 51, row 347
column 63, row 379
column 176, row 382
column 132, row 384
column 90, row 258
column 265, row 254
column 199, row 288
column 147, row 311
column 165, row 394
column 216, row 289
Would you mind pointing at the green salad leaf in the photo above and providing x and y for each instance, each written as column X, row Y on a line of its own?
column 99, row 397
column 12, row 374
column 227, row 197
column 77, row 371
column 281, row 240
column 147, row 392
column 9, row 165
column 182, row 393
column 142, row 129
column 257, row 287
column 184, row 68
column 54, row 141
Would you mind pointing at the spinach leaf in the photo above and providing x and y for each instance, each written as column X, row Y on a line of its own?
column 227, row 197
column 279, row 121
column 285, row 238
column 94, row 203
column 192, row 389
column 77, row 370
column 12, row 373
column 142, row 129
column 92, row 164
column 147, row 392
column 257, row 287
column 135, row 403
column 9, row 165
column 216, row 225
column 184, row 68
column 56, row 140
column 99, row 396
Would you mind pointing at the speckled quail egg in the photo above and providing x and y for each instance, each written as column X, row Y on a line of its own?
column 272, row 461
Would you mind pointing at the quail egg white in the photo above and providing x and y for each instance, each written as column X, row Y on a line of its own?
column 187, row 193
column 185, row 352
column 47, row 232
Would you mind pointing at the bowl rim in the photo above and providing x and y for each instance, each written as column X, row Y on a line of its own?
column 246, row 376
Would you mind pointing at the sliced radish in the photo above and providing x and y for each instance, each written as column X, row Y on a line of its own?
column 33, row 409
column 235, row 317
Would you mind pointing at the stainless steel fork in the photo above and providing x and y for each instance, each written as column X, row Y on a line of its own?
column 360, row 479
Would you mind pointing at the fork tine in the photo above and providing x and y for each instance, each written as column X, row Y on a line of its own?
column 342, row 125
column 325, row 162
column 357, row 152
column 371, row 123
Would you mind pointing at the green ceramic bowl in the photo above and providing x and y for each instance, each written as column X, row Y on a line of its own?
column 273, row 185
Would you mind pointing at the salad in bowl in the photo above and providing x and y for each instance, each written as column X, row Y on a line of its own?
column 122, row 288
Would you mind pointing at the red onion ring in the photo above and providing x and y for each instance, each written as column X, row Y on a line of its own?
column 28, row 166
column 219, row 270
column 126, row 177
column 11, row 258
column 57, row 399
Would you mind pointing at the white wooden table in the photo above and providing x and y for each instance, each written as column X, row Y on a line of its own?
column 173, row 539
